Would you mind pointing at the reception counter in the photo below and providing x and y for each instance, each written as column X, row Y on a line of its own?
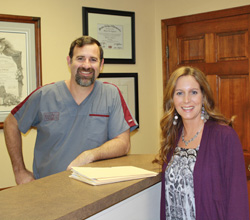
column 60, row 197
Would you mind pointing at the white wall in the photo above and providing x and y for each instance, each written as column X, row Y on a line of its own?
column 61, row 22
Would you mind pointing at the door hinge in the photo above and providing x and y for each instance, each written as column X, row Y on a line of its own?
column 167, row 52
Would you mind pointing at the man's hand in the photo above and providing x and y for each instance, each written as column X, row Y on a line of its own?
column 116, row 147
column 24, row 176
column 82, row 159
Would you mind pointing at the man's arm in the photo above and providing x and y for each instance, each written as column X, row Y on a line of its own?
column 13, row 141
column 116, row 147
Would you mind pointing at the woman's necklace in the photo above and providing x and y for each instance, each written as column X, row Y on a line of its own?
column 190, row 140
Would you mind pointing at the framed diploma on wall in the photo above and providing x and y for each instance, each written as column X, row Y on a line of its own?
column 20, row 60
column 128, row 85
column 115, row 30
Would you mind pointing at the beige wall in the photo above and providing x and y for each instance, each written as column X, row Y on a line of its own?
column 61, row 22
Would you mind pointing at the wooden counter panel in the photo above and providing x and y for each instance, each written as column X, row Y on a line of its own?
column 60, row 197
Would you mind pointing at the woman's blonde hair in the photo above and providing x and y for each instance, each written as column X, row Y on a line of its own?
column 169, row 131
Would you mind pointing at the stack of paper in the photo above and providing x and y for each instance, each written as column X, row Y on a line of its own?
column 104, row 175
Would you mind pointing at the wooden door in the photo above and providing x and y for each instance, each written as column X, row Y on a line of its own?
column 218, row 44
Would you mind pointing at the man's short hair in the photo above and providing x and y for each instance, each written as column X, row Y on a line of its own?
column 82, row 41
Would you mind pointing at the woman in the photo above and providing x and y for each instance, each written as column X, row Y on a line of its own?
column 203, row 173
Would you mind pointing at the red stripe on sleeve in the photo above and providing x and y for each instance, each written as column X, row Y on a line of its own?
column 15, row 110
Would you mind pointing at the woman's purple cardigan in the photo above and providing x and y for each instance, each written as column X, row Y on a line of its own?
column 220, row 184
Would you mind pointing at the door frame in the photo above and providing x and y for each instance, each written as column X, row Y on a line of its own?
column 193, row 18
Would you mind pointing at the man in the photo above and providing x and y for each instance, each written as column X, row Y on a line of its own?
column 78, row 121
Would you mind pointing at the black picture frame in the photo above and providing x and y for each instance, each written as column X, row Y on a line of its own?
column 112, row 19
column 24, row 31
column 127, row 83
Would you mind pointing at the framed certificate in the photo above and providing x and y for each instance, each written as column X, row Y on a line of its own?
column 128, row 85
column 115, row 30
column 20, row 60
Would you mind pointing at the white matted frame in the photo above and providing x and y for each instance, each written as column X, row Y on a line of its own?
column 115, row 30
column 128, row 85
column 20, row 60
